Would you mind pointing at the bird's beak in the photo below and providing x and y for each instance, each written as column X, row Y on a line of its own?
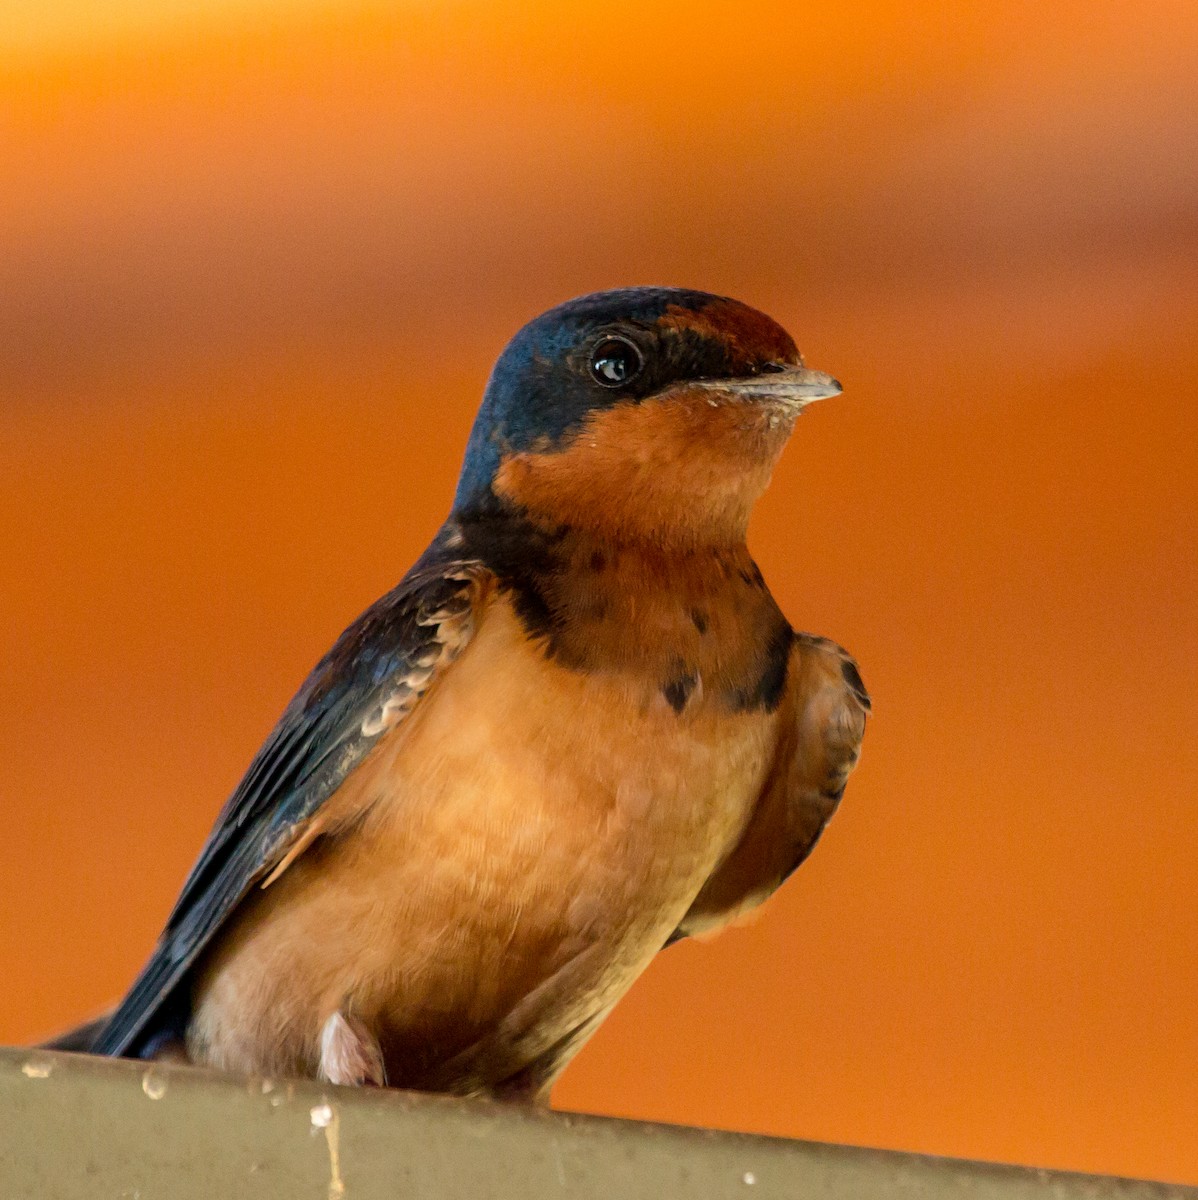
column 792, row 386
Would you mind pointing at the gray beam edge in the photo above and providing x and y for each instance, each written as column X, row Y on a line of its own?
column 80, row 1128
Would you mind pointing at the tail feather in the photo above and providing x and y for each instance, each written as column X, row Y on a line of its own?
column 82, row 1038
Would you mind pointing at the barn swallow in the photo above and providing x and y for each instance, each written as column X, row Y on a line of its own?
column 579, row 729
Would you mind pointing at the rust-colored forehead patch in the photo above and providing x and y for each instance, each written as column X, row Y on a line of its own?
column 750, row 334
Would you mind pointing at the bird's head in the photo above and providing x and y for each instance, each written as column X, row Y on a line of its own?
column 647, row 413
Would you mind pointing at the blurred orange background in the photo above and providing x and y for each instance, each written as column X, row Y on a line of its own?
column 256, row 257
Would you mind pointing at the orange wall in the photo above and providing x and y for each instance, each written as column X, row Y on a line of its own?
column 255, row 266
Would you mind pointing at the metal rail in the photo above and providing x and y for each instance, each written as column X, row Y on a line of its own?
column 80, row 1128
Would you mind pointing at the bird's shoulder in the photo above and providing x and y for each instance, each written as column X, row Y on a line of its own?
column 368, row 681
column 822, row 718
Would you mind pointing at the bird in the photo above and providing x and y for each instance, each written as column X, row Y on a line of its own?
column 577, row 731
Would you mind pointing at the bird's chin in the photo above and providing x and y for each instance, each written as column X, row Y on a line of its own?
column 750, row 427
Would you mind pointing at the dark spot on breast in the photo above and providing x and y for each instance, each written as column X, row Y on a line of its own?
column 766, row 690
column 852, row 676
column 523, row 558
column 598, row 562
column 752, row 575
column 700, row 619
column 534, row 611
column 678, row 691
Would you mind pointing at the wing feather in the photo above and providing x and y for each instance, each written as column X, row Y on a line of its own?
column 371, row 678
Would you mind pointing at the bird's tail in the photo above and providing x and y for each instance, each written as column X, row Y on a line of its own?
column 80, row 1039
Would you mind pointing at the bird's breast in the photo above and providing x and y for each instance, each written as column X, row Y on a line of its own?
column 524, row 842
column 578, row 805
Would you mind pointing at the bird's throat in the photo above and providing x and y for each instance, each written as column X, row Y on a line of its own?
column 685, row 624
column 680, row 472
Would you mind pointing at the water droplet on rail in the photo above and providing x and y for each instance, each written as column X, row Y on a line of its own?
column 153, row 1084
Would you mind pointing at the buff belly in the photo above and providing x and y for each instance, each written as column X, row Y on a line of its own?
column 509, row 860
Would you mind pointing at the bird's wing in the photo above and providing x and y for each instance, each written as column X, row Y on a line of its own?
column 824, row 709
column 374, row 675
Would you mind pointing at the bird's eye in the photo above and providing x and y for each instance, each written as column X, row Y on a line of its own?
column 615, row 362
